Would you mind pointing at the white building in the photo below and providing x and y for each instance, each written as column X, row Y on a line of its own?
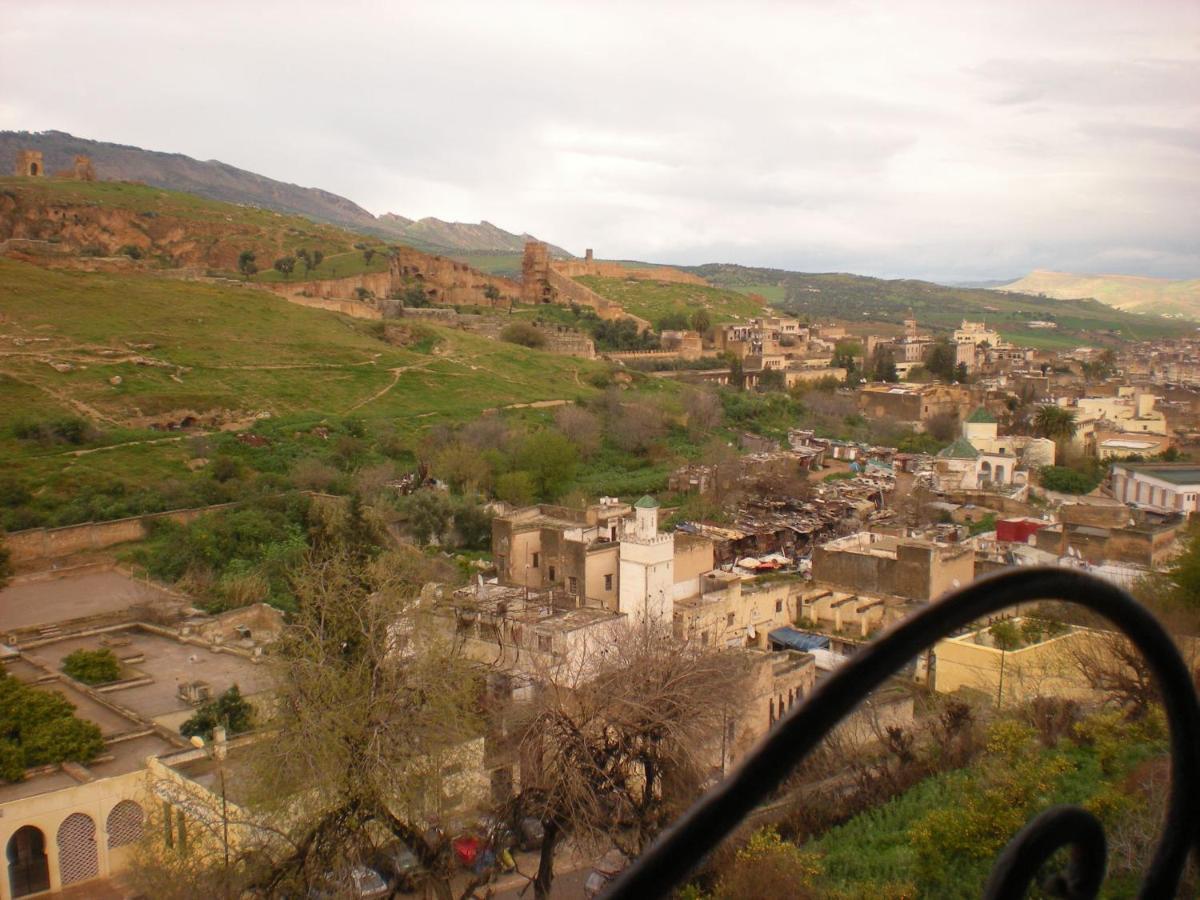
column 1160, row 487
column 647, row 579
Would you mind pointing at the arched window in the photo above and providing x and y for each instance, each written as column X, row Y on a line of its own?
column 124, row 824
column 28, row 868
column 77, row 856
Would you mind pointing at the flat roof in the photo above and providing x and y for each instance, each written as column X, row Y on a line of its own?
column 169, row 663
column 29, row 603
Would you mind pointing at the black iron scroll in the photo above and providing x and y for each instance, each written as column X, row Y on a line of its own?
column 676, row 852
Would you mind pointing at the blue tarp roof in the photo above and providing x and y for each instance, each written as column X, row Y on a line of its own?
column 799, row 640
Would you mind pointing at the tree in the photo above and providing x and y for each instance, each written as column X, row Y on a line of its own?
column 701, row 321
column 284, row 265
column 368, row 254
column 703, row 410
column 1054, row 422
column 883, row 365
column 492, row 293
column 524, row 334
column 622, row 736
column 635, row 427
column 231, row 711
column 375, row 705
column 515, row 488
column 246, row 263
column 315, row 258
column 40, row 728
column 941, row 358
column 6, row 565
column 582, row 427
column 92, row 666
column 428, row 513
column 462, row 467
column 550, row 461
column 302, row 256
column 961, row 375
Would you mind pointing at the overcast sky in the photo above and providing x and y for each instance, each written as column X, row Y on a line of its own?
column 937, row 140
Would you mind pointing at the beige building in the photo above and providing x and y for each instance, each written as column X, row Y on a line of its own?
column 1160, row 487
column 1038, row 668
column 912, row 568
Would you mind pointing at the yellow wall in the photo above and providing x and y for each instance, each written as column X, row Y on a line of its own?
column 1045, row 669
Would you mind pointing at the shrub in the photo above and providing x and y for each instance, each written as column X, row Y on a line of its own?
column 231, row 710
column 524, row 334
column 1067, row 481
column 39, row 728
column 93, row 666
column 1005, row 635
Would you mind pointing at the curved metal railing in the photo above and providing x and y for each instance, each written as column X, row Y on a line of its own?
column 676, row 852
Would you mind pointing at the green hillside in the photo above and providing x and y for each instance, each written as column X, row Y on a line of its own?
column 653, row 300
column 860, row 298
column 179, row 348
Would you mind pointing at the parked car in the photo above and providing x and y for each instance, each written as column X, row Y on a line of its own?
column 399, row 866
column 363, row 883
column 608, row 867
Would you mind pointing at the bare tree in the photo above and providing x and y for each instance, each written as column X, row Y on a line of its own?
column 703, row 409
column 622, row 743
column 371, row 709
column 581, row 427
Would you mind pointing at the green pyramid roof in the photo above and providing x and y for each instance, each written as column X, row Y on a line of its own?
column 960, row 449
column 646, row 502
column 981, row 415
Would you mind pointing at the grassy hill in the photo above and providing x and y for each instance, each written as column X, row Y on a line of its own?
column 116, row 352
column 1132, row 293
column 652, row 300
column 859, row 298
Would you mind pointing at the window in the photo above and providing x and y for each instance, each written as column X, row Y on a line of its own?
column 729, row 621
column 544, row 643
column 778, row 606
column 704, row 639
column 536, row 558
column 608, row 582
column 573, row 584
column 552, row 573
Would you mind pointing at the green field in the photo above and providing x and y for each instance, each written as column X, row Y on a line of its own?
column 652, row 300
column 340, row 265
column 203, row 348
column 507, row 265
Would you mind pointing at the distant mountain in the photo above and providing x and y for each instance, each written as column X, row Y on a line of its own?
column 219, row 181
column 1134, row 293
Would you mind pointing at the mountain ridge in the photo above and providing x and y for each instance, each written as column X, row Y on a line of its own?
column 218, row 180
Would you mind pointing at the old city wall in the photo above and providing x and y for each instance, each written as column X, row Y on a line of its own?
column 52, row 543
column 574, row 268
column 340, row 295
column 567, row 292
column 447, row 282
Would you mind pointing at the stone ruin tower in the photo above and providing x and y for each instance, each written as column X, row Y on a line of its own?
column 29, row 164
column 83, row 170
column 535, row 274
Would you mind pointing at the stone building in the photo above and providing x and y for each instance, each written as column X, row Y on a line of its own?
column 29, row 164
column 1163, row 487
column 912, row 568
column 915, row 404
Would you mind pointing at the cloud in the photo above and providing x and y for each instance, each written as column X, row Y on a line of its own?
column 890, row 139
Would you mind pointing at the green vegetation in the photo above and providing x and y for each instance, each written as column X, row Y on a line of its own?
column 524, row 334
column 92, row 666
column 655, row 300
column 928, row 837
column 70, row 446
column 39, row 727
column 231, row 711
column 1069, row 481
column 339, row 265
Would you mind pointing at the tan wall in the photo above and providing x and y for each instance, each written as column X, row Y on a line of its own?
column 693, row 557
column 1013, row 676
column 49, row 543
column 601, row 563
column 573, row 268
column 48, row 811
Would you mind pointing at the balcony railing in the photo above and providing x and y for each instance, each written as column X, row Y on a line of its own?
column 680, row 849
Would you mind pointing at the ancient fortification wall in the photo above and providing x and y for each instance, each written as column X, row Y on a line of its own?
column 50, row 543
column 574, row 268
column 448, row 282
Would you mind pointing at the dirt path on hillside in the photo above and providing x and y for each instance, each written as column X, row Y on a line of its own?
column 396, row 373
column 84, row 409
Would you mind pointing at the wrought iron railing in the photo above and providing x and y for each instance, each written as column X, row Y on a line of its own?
column 669, row 860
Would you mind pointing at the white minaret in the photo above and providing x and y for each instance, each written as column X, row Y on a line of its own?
column 647, row 569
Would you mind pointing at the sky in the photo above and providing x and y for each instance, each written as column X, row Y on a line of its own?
column 950, row 141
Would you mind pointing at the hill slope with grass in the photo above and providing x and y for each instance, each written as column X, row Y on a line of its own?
column 1132, row 293
column 90, row 361
column 656, row 300
column 861, row 298
column 220, row 181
